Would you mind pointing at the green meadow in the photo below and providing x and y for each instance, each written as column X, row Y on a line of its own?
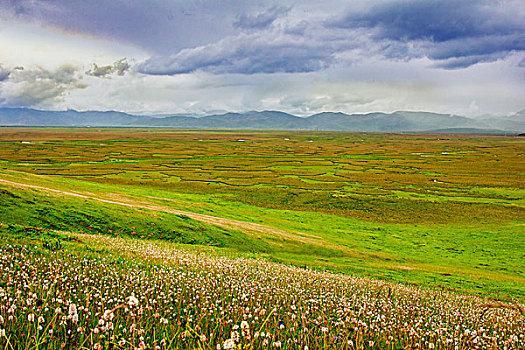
column 440, row 211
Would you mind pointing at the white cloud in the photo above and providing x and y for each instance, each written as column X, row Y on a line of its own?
column 40, row 86
column 494, row 87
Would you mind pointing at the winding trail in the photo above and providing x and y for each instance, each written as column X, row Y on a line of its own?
column 245, row 226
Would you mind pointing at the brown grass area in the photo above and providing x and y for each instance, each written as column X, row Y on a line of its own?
column 404, row 178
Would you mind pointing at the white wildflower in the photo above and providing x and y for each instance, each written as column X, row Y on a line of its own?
column 229, row 344
column 72, row 314
column 132, row 301
column 108, row 315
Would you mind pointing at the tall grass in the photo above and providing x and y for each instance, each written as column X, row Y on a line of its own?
column 113, row 293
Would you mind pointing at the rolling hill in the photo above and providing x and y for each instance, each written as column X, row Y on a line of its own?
column 400, row 121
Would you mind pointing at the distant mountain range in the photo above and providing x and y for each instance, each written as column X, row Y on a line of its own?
column 400, row 121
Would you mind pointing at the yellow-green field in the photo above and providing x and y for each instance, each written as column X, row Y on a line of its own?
column 443, row 211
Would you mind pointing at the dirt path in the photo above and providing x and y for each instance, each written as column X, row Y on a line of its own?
column 249, row 227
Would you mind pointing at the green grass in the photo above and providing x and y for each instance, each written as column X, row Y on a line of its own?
column 30, row 209
column 369, row 199
column 478, row 259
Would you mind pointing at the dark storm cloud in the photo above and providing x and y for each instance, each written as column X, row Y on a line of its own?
column 436, row 20
column 266, row 52
column 238, row 36
column 462, row 31
column 260, row 20
column 454, row 34
column 159, row 26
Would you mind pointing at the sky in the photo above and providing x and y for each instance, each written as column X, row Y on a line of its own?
column 463, row 57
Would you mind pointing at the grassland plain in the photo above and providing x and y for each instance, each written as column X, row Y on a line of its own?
column 443, row 211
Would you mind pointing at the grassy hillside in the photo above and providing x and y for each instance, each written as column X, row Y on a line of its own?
column 440, row 211
column 100, row 292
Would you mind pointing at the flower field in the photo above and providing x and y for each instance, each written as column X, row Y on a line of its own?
column 113, row 293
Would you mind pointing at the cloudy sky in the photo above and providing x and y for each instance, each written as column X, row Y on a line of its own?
column 205, row 56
